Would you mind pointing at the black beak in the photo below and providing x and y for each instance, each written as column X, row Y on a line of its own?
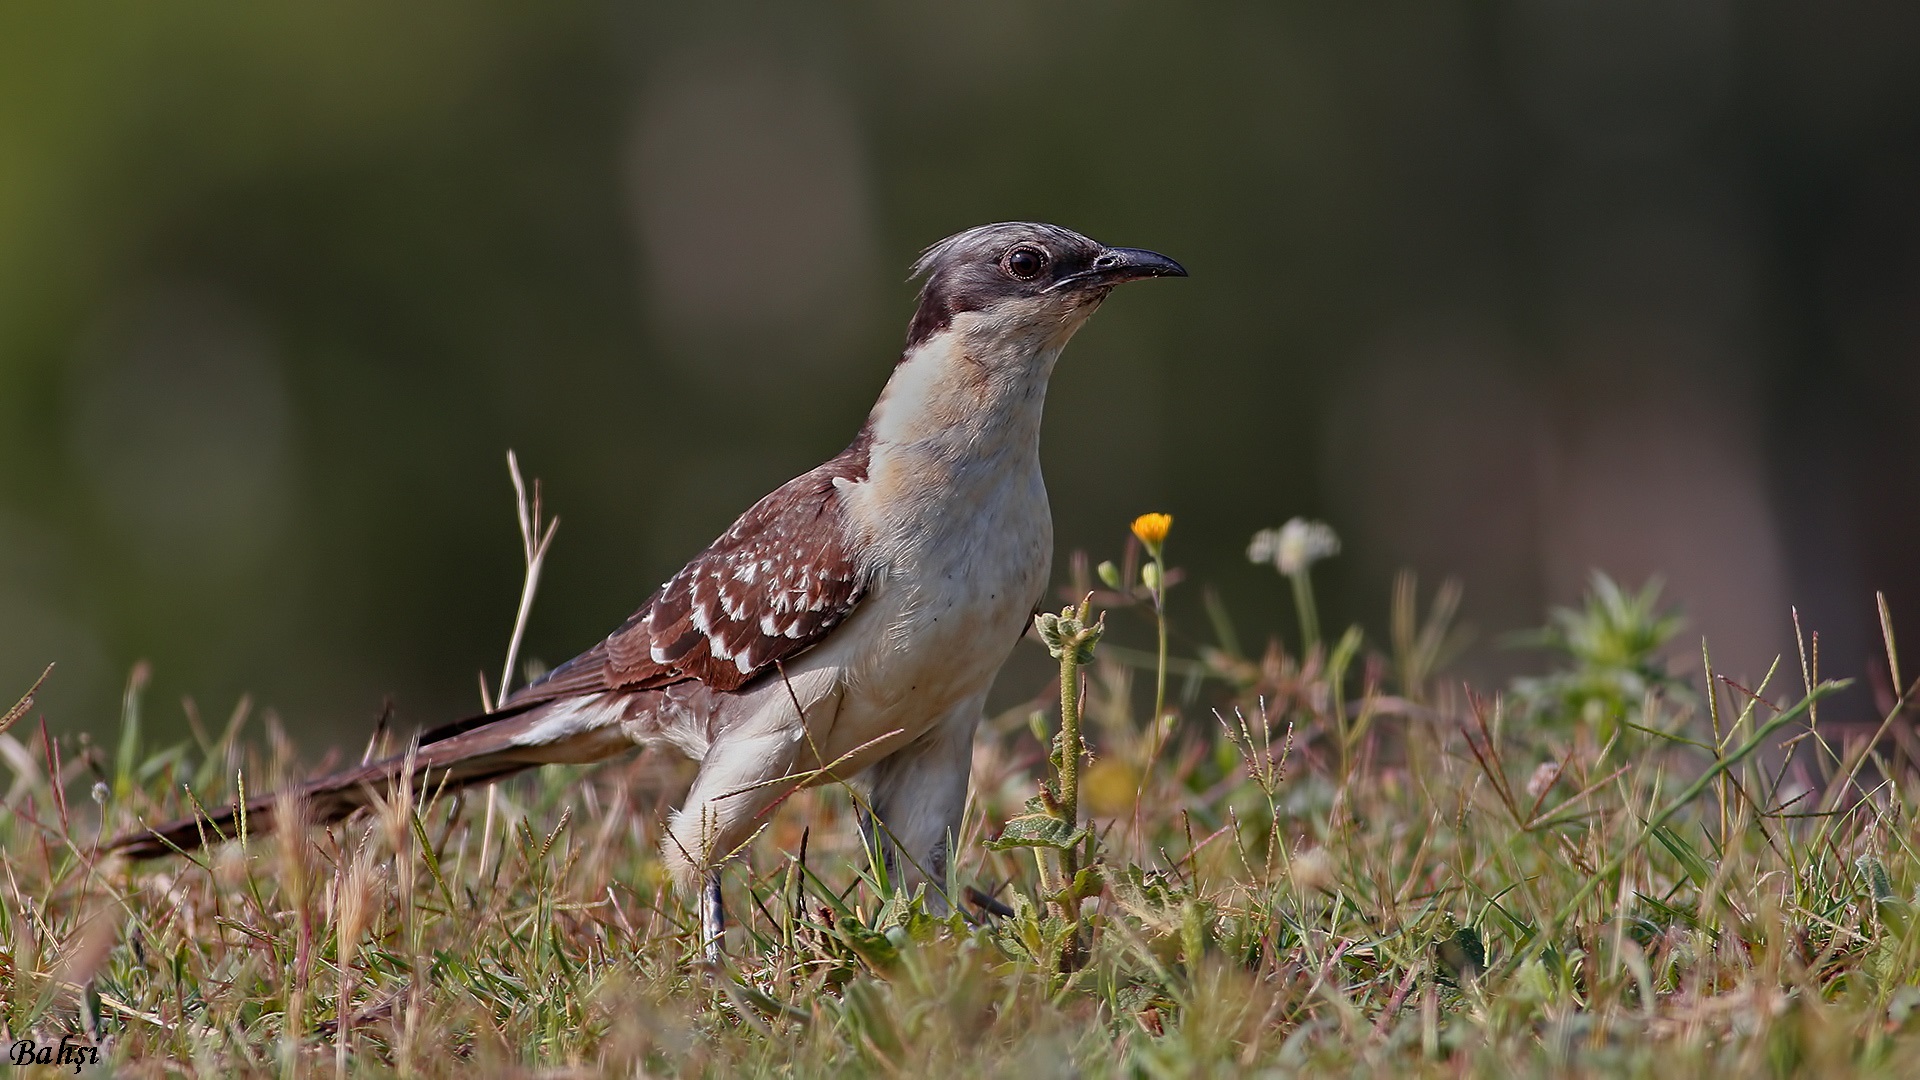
column 1115, row 265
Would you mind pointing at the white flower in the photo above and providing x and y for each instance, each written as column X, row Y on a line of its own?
column 1314, row 869
column 1543, row 780
column 1293, row 547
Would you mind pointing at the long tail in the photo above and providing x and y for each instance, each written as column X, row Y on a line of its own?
column 569, row 731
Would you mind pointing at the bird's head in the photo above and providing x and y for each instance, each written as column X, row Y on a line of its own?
column 1023, row 279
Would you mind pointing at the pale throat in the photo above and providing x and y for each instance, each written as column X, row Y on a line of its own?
column 976, row 390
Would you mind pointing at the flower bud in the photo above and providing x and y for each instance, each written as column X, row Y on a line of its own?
column 1068, row 634
column 1109, row 574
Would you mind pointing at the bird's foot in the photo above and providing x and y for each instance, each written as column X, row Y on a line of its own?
column 713, row 917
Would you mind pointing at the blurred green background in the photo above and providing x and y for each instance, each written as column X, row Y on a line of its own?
column 1505, row 290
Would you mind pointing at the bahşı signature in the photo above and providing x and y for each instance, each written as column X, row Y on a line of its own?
column 78, row 1055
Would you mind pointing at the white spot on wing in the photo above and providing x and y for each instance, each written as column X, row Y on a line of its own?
column 568, row 718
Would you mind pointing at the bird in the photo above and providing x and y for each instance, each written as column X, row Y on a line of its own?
column 846, row 627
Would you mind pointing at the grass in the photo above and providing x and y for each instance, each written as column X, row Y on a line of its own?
column 1327, row 860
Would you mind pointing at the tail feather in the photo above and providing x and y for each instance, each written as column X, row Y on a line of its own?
column 557, row 732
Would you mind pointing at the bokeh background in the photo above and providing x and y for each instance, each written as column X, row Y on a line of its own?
column 1502, row 290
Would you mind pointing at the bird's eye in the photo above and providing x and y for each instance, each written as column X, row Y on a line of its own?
column 1024, row 262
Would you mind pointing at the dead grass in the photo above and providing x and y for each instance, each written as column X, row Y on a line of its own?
column 1334, row 864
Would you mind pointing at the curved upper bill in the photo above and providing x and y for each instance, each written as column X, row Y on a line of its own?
column 1115, row 265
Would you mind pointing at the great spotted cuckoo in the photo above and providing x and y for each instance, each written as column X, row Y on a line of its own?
column 848, row 625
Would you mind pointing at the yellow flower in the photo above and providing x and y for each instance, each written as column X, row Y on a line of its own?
column 1152, row 530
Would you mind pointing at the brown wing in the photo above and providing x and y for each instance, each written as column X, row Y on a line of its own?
column 769, row 588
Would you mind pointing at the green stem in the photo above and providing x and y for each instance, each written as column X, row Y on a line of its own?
column 1048, row 886
column 1159, row 689
column 1070, row 752
column 1160, row 669
column 1309, row 617
column 1069, row 739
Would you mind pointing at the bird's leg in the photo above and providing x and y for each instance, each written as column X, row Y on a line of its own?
column 713, row 916
column 746, row 770
column 917, row 796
